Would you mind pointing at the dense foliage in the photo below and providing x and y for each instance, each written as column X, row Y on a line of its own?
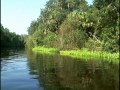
column 73, row 24
column 10, row 39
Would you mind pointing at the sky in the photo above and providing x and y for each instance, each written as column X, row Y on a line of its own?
column 16, row 15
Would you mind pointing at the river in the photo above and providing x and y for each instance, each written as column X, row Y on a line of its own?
column 26, row 70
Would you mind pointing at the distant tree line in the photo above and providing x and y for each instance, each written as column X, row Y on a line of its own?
column 10, row 39
column 73, row 24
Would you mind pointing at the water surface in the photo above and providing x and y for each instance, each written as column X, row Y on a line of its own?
column 25, row 70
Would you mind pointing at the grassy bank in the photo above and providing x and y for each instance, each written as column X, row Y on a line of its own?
column 83, row 54
column 45, row 50
column 97, row 55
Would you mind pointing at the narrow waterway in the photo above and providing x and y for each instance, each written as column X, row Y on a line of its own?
column 25, row 70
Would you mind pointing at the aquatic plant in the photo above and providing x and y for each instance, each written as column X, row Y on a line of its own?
column 86, row 54
column 46, row 50
column 81, row 54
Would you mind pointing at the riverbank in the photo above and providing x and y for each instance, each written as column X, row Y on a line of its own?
column 81, row 54
column 45, row 50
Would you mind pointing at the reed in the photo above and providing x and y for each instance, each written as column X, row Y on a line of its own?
column 81, row 54
column 96, row 55
column 45, row 50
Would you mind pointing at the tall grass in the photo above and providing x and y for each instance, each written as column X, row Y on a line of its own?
column 97, row 55
column 46, row 50
column 82, row 54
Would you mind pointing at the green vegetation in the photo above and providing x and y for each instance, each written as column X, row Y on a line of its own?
column 45, row 50
column 11, row 39
column 81, row 54
column 95, row 55
column 74, row 25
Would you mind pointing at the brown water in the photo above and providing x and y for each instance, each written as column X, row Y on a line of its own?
column 25, row 70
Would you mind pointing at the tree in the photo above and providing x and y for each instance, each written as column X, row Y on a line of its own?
column 10, row 39
column 33, row 27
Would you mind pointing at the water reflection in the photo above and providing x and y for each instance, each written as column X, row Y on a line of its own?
column 15, row 73
column 65, row 73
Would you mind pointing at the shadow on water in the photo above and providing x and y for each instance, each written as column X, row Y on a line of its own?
column 10, row 55
column 5, row 53
column 55, row 72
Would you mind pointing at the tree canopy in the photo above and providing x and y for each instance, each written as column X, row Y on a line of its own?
column 71, row 24
column 11, row 39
